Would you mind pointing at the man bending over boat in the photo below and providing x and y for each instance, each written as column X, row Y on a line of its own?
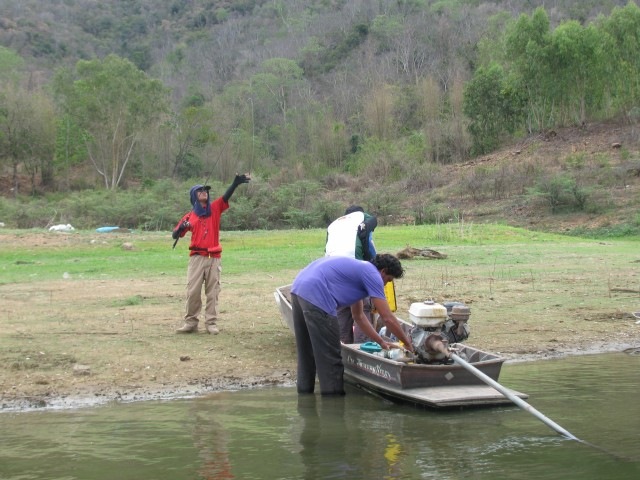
column 317, row 292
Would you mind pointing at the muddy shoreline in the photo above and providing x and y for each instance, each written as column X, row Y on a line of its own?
column 286, row 378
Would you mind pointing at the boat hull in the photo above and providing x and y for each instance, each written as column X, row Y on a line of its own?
column 412, row 375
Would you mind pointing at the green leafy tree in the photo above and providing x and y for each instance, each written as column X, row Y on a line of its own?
column 10, row 66
column 623, row 30
column 192, row 128
column 526, row 50
column 563, row 73
column 10, row 155
column 27, row 134
column 113, row 102
column 577, row 62
column 274, row 84
column 494, row 106
column 70, row 149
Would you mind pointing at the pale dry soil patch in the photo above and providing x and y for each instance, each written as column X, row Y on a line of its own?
column 76, row 342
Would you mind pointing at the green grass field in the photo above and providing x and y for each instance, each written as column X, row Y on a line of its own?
column 32, row 255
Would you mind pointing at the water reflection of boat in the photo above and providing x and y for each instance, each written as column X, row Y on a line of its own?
column 438, row 385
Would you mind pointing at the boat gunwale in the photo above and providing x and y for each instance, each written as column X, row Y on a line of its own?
column 495, row 358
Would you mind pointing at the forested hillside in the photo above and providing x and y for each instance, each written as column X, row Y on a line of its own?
column 325, row 103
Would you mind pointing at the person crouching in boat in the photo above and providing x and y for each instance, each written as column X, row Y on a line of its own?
column 352, row 236
column 317, row 292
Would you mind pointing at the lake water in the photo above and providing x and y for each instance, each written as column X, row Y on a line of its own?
column 274, row 434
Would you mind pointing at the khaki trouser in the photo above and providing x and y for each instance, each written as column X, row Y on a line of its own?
column 202, row 270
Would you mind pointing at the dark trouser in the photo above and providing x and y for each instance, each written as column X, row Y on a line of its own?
column 347, row 332
column 318, row 345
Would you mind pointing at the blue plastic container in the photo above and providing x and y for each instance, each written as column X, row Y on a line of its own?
column 370, row 347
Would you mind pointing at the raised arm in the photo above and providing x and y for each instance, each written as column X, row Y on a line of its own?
column 238, row 180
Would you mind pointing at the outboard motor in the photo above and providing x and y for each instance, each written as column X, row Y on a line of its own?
column 428, row 319
column 456, row 327
column 436, row 327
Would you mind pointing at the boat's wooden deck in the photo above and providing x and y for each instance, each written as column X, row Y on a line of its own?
column 435, row 397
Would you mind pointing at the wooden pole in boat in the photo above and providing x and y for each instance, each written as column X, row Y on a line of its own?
column 514, row 398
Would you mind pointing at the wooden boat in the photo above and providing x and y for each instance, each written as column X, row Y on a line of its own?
column 430, row 385
column 283, row 299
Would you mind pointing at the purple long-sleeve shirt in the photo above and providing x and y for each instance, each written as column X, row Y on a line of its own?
column 332, row 282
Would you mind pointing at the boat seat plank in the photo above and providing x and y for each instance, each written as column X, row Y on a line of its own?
column 462, row 393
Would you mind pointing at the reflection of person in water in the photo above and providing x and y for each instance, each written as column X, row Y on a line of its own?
column 210, row 440
column 335, row 444
column 325, row 439
column 216, row 465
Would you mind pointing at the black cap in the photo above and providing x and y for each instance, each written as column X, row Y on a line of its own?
column 353, row 208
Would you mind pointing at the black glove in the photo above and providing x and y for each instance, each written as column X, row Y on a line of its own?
column 362, row 231
column 178, row 231
column 239, row 179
